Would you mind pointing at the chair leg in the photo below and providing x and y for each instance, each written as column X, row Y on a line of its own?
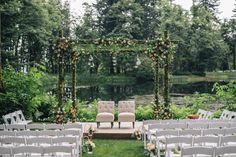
column 112, row 124
column 119, row 124
column 133, row 124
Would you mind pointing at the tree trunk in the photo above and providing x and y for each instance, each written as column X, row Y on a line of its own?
column 1, row 71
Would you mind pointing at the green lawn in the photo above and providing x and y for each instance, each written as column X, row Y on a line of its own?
column 117, row 148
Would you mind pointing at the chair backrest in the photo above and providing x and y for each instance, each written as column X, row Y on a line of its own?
column 58, row 149
column 5, row 150
column 17, row 127
column 214, row 131
column 225, row 114
column 197, row 151
column 73, row 126
column 126, row 106
column 53, row 127
column 13, row 140
column 39, row 141
column 230, row 131
column 27, row 133
column 60, row 140
column 196, row 125
column 35, row 126
column 209, row 115
column 47, row 133
column 27, row 149
column 178, row 140
column 227, row 139
column 106, row 106
column 167, row 133
column 71, row 132
column 190, row 132
column 20, row 116
column 232, row 116
column 8, row 119
column 7, row 133
column 151, row 121
column 203, row 140
column 225, row 150
column 219, row 125
column 202, row 113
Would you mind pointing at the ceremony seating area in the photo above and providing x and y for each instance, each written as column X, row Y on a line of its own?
column 41, row 139
column 191, row 137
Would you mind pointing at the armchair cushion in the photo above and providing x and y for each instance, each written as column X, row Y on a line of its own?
column 126, row 117
column 105, row 117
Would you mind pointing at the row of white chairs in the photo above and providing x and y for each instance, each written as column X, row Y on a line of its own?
column 226, row 151
column 203, row 114
column 177, row 142
column 171, row 121
column 37, row 151
column 181, row 126
column 16, row 117
column 52, row 126
column 29, row 133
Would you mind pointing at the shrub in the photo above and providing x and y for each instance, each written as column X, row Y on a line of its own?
column 20, row 89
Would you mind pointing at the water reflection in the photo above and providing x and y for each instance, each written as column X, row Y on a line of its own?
column 124, row 92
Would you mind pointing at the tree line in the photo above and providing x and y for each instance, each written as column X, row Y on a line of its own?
column 29, row 29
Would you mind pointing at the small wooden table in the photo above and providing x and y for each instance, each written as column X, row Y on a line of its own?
column 193, row 116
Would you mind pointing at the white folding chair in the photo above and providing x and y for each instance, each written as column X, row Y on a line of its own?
column 213, row 132
column 197, row 125
column 35, row 126
column 230, row 131
column 6, row 151
column 18, row 127
column 59, row 150
column 8, row 119
column 176, row 143
column 48, row 133
column 21, row 118
column 225, row 114
column 68, row 141
column 70, row 133
column 201, row 113
column 219, row 125
column 209, row 115
column 210, row 141
column 206, row 151
column 7, row 133
column 53, row 127
column 232, row 116
column 26, row 133
column 226, row 151
column 39, row 141
column 27, row 151
column 228, row 140
column 13, row 141
column 190, row 132
column 73, row 126
column 161, row 136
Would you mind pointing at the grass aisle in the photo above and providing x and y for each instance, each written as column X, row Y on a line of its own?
column 117, row 148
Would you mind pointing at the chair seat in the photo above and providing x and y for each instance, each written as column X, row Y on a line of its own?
column 105, row 117
column 126, row 117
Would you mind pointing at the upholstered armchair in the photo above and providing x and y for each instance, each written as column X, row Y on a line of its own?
column 105, row 112
column 126, row 112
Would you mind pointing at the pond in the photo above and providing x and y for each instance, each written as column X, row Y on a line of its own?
column 124, row 92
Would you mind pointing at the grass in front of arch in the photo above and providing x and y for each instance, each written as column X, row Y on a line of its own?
column 117, row 148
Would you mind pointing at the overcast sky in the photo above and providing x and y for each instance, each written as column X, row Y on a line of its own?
column 226, row 6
